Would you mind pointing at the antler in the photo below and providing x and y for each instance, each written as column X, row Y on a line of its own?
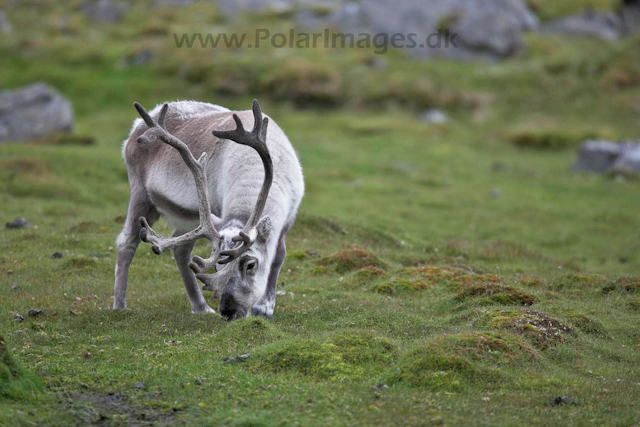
column 256, row 139
column 206, row 229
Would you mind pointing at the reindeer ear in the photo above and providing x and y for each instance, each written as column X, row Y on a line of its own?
column 264, row 229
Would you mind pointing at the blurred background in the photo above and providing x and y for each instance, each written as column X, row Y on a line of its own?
column 504, row 136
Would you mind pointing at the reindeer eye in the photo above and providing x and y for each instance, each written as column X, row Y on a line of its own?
column 249, row 266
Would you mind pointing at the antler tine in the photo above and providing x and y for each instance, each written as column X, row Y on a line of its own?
column 163, row 115
column 256, row 139
column 145, row 116
column 206, row 229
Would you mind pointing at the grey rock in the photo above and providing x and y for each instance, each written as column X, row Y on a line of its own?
column 496, row 194
column 629, row 160
column 5, row 24
column 630, row 17
column 486, row 29
column 107, row 11
column 434, row 116
column 563, row 400
column 241, row 358
column 18, row 223
column 609, row 157
column 35, row 312
column 597, row 156
column 140, row 385
column 18, row 318
column 33, row 111
column 57, row 255
column 309, row 20
column 603, row 25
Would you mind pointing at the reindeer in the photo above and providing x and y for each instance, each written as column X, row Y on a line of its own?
column 217, row 197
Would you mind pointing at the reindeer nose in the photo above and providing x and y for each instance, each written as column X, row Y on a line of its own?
column 230, row 308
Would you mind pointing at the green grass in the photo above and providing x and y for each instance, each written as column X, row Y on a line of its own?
column 547, row 9
column 404, row 268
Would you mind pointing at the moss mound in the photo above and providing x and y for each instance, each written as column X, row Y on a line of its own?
column 466, row 280
column 362, row 346
column 532, row 281
column 15, row 382
column 434, row 275
column 297, row 255
column 626, row 284
column 399, row 285
column 577, row 281
column 542, row 329
column 250, row 331
column 9, row 369
column 549, row 139
column 351, row 259
column 495, row 293
column 449, row 362
column 584, row 323
column 340, row 357
column 369, row 273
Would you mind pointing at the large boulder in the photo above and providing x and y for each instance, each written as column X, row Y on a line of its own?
column 629, row 160
column 32, row 112
column 609, row 157
column 603, row 25
column 597, row 156
column 630, row 17
column 490, row 29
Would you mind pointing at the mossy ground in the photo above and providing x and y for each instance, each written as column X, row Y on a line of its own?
column 392, row 203
column 15, row 381
column 540, row 328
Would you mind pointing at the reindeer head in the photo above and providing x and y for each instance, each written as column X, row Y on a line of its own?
column 240, row 282
column 240, row 259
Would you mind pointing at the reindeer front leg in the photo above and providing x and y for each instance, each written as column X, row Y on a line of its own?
column 182, row 256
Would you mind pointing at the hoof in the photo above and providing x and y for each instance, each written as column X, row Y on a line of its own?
column 156, row 249
column 259, row 312
column 203, row 310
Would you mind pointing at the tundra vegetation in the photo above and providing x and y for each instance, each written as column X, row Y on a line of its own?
column 446, row 274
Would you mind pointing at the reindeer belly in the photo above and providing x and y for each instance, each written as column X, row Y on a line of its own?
column 174, row 196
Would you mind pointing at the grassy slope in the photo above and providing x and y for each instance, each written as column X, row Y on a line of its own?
column 380, row 175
